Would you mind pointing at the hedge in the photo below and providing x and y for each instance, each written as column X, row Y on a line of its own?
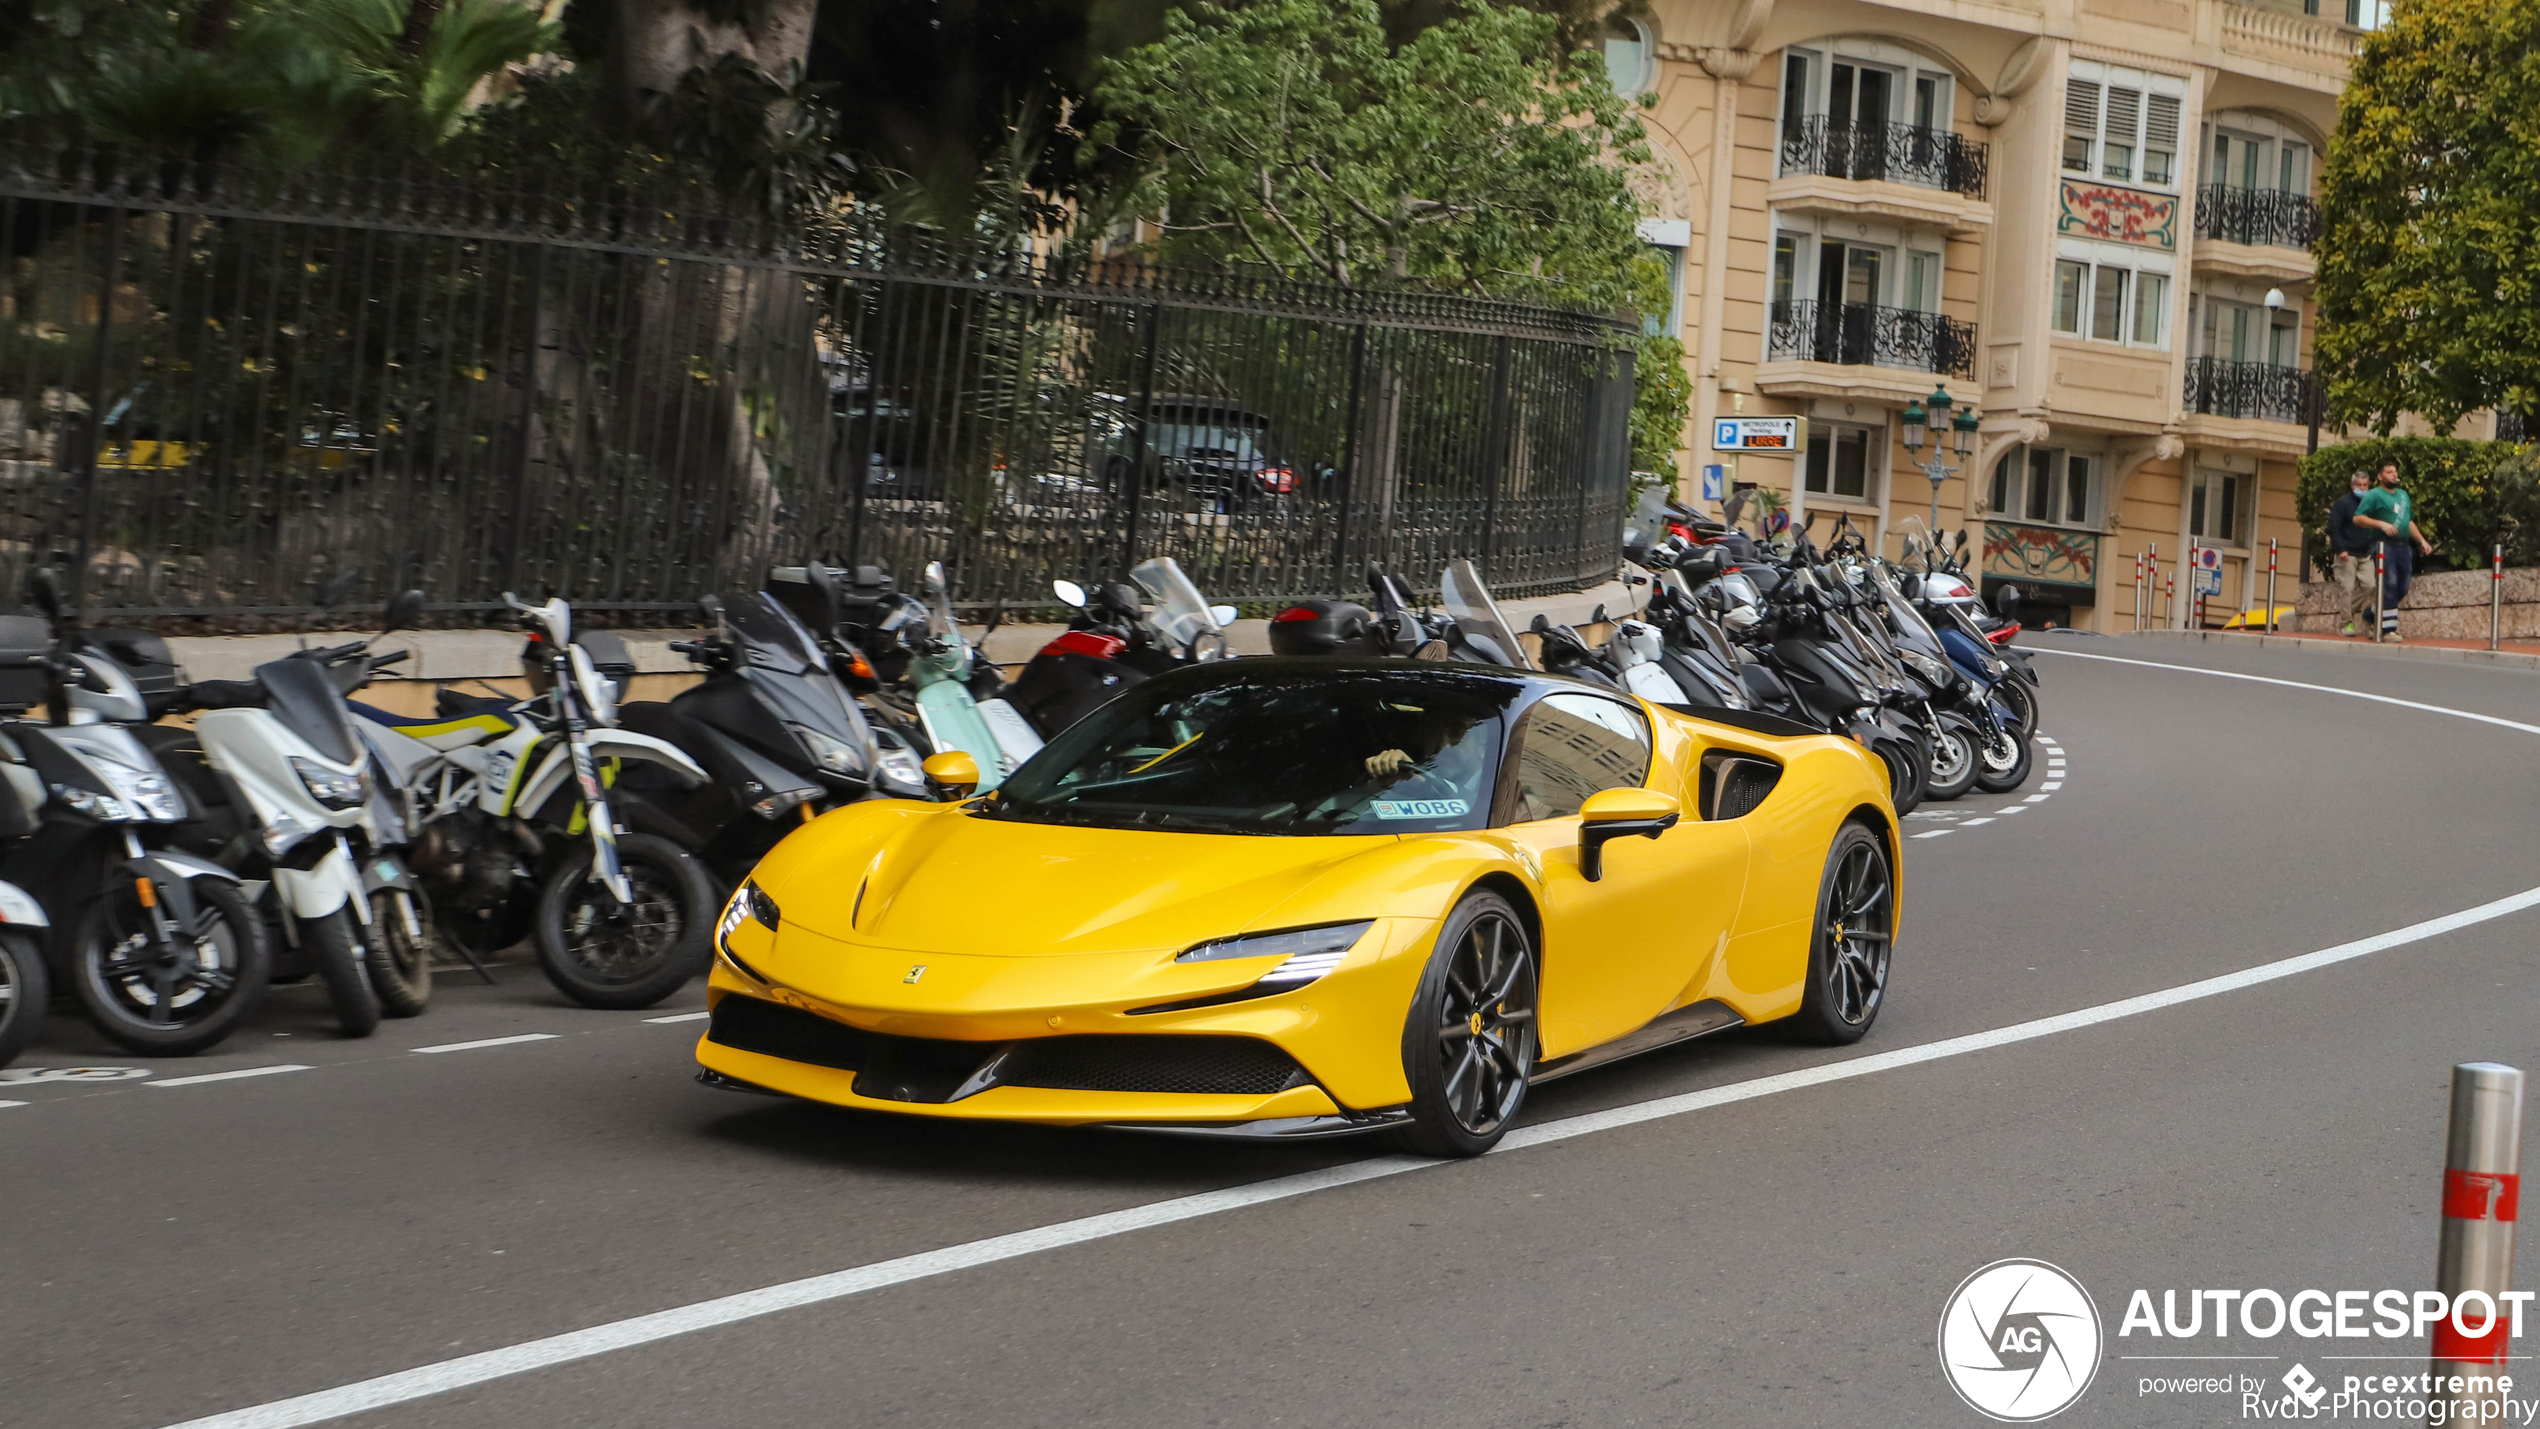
column 2468, row 496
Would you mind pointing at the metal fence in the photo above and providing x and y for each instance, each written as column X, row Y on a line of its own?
column 1893, row 153
column 2261, row 390
column 2257, row 216
column 1866, row 335
column 217, row 386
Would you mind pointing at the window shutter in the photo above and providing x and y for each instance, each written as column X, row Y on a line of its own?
column 2081, row 107
column 2125, row 114
column 2160, row 130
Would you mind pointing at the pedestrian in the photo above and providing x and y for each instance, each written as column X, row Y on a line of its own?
column 2387, row 516
column 2352, row 547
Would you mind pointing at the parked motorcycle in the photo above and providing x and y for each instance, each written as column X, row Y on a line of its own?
column 160, row 947
column 517, row 833
column 1114, row 642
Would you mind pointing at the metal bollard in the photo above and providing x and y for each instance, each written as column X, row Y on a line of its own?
column 2496, row 599
column 2152, row 586
column 2380, row 587
column 2482, row 1193
column 2138, row 592
column 2270, row 585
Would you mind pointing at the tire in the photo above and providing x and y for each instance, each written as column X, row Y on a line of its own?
column 400, row 963
column 1848, row 954
column 1905, row 776
column 1953, row 765
column 2003, row 762
column 335, row 944
column 2021, row 701
column 23, row 993
column 602, row 953
column 1468, row 1053
column 216, row 976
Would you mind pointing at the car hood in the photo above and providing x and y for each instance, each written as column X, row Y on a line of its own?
column 932, row 879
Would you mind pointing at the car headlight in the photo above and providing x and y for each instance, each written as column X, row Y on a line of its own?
column 327, row 786
column 832, row 754
column 749, row 903
column 105, row 808
column 1304, row 953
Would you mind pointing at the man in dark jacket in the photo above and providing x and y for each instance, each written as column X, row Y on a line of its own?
column 2352, row 546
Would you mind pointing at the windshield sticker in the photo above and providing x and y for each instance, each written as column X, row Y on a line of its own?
column 1420, row 808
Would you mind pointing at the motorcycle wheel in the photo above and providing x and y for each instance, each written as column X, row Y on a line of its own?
column 2021, row 701
column 2004, row 761
column 400, row 961
column 335, row 943
column 1906, row 776
column 1953, row 765
column 198, row 995
column 603, row 953
column 22, row 993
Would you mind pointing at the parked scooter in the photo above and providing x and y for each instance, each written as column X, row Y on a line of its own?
column 1115, row 642
column 518, row 835
column 160, row 947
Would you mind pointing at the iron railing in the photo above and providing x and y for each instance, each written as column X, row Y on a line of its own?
column 2263, row 390
column 2513, row 427
column 1897, row 153
column 1864, row 335
column 215, row 387
column 2271, row 217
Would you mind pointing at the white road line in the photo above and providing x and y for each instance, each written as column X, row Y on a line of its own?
column 2051, row 785
column 227, row 1076
column 1935, row 833
column 5, row 1104
column 2034, row 799
column 2014, row 809
column 489, row 1042
column 682, row 1017
column 1971, row 823
column 426, row 1380
column 2300, row 685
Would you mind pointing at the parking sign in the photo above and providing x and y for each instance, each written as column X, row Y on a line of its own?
column 1755, row 434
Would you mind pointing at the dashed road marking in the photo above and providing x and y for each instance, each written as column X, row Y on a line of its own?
column 682, row 1017
column 1935, row 833
column 5, row 1104
column 490, row 1042
column 1971, row 823
column 2034, row 799
column 227, row 1076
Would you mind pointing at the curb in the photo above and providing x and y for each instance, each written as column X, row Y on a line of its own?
column 2508, row 659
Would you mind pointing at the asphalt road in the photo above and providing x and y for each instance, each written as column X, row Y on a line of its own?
column 175, row 1251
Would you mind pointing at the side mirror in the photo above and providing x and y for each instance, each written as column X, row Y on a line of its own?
column 45, row 589
column 1542, row 623
column 1224, row 615
column 935, row 584
column 1069, row 593
column 1611, row 814
column 824, row 588
column 2006, row 601
column 710, row 610
column 953, row 772
column 403, row 611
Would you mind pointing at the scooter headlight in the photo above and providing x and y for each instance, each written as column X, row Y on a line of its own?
column 144, row 795
column 898, row 772
column 105, row 808
column 330, row 787
column 832, row 754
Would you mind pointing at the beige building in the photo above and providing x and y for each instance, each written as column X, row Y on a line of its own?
column 2091, row 219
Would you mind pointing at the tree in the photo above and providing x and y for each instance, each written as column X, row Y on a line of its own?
column 2429, row 251
column 1476, row 157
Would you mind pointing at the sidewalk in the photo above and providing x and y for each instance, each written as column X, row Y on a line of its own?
column 2516, row 654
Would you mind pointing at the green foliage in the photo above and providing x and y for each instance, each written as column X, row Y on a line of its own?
column 2429, row 252
column 1661, row 393
column 2468, row 495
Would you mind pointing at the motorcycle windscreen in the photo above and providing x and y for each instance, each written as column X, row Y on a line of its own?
column 1477, row 616
column 1181, row 613
column 939, row 610
column 308, row 704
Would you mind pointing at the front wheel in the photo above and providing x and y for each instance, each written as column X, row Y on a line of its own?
column 1848, row 954
column 400, row 951
column 603, row 953
column 1469, row 1044
column 1953, row 761
column 22, row 993
column 336, row 946
column 176, row 997
column 2021, row 701
column 2003, row 761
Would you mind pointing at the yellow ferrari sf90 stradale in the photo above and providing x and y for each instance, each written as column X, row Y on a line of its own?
column 1288, row 898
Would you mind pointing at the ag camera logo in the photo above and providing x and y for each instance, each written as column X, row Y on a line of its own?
column 2019, row 1341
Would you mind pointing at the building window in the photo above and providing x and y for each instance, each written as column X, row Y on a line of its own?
column 1922, row 282
column 2121, row 124
column 2215, row 502
column 2254, row 152
column 1671, row 323
column 1628, row 52
column 2046, row 484
column 2111, row 302
column 1839, row 462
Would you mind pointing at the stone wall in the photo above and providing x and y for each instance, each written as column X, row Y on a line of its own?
column 2449, row 606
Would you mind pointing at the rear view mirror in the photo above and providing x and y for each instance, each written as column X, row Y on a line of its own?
column 403, row 611
column 1224, row 615
column 954, row 772
column 824, row 588
column 710, row 607
column 1069, row 593
column 2006, row 601
column 1611, row 814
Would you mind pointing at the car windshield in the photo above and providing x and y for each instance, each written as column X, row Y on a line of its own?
column 1319, row 752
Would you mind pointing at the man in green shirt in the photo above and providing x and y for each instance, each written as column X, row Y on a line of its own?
column 2388, row 516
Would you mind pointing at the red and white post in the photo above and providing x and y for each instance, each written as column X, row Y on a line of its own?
column 2138, row 591
column 2380, row 588
column 2482, row 1198
column 2496, row 599
column 2270, row 585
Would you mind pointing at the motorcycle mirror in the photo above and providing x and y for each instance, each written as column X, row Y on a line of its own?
column 45, row 589
column 1069, row 592
column 711, row 608
column 2006, row 600
column 1599, row 617
column 1542, row 623
column 824, row 587
column 404, row 609
column 1224, row 615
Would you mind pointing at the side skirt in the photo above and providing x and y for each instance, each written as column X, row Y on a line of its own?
column 1682, row 1025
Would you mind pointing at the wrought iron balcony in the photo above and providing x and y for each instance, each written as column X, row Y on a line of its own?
column 2269, row 217
column 1897, row 153
column 1864, row 335
column 2263, row 390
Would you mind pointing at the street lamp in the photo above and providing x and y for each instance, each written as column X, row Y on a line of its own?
column 2310, row 398
column 1920, row 417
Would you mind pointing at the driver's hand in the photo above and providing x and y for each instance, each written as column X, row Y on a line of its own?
column 1391, row 761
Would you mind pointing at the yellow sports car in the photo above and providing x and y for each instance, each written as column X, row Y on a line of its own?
column 1295, row 897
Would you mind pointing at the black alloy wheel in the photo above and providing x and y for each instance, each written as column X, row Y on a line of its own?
column 604, row 953
column 176, row 997
column 1469, row 1044
column 2017, row 697
column 2004, row 760
column 1848, row 956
